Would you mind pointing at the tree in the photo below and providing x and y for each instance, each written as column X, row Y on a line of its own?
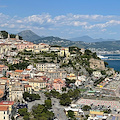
column 48, row 104
column 26, row 117
column 63, row 89
column 23, row 112
column 65, row 99
column 71, row 114
column 40, row 112
column 27, row 96
column 86, row 108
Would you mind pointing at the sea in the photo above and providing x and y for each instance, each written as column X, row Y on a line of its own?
column 113, row 61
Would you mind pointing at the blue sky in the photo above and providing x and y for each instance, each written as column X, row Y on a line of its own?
column 62, row 18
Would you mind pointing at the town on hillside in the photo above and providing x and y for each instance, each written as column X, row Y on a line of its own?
column 51, row 82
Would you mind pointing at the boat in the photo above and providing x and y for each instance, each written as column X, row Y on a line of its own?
column 102, row 57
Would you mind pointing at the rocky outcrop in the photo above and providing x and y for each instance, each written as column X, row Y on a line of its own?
column 97, row 64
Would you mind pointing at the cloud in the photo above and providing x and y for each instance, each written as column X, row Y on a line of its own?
column 46, row 23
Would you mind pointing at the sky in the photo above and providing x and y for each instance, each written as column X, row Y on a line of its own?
column 62, row 18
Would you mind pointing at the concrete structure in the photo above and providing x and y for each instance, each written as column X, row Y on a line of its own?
column 97, row 64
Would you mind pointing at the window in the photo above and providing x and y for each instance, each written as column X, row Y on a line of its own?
column 4, row 117
column 4, row 112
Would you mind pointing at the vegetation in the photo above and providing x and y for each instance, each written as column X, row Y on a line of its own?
column 40, row 112
column 30, row 97
column 20, row 66
column 23, row 112
column 71, row 114
column 48, row 104
column 5, row 35
column 107, row 111
column 65, row 99
column 86, row 108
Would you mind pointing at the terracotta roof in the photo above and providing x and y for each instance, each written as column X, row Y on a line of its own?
column 2, row 65
column 4, row 78
column 4, row 108
column 27, row 86
column 24, row 79
column 18, row 70
column 28, row 69
column 1, row 93
column 6, row 102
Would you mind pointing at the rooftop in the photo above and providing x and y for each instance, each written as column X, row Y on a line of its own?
column 6, row 102
column 4, row 108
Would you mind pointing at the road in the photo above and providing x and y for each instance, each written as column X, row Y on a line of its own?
column 58, row 110
column 36, row 102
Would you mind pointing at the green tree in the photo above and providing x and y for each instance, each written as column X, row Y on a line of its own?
column 71, row 114
column 23, row 112
column 86, row 108
column 65, row 99
column 48, row 103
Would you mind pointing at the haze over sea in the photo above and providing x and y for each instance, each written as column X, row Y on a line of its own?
column 115, row 63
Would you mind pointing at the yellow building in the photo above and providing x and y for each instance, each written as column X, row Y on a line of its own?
column 71, row 76
column 37, row 84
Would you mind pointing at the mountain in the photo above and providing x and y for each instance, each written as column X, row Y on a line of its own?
column 83, row 38
column 88, row 39
column 51, row 40
column 81, row 42
column 28, row 35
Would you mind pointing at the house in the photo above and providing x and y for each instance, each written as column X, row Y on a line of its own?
column 78, row 83
column 16, row 92
column 58, row 84
column 77, row 112
column 56, row 74
column 71, row 76
column 16, row 74
column 37, row 84
column 4, row 113
column 28, row 88
column 8, row 104
column 46, row 66
column 97, row 74
column 3, row 69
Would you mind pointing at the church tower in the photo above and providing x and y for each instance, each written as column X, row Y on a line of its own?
column 17, row 37
column 8, row 36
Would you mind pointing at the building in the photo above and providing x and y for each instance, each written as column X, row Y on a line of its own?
column 77, row 112
column 71, row 76
column 56, row 74
column 97, row 74
column 58, row 84
column 8, row 104
column 47, row 66
column 3, row 69
column 37, row 84
column 4, row 113
column 28, row 88
column 97, row 115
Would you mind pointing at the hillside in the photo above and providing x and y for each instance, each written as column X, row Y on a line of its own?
column 29, row 35
column 81, row 42
column 88, row 39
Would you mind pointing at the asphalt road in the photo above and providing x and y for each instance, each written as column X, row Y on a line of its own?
column 58, row 110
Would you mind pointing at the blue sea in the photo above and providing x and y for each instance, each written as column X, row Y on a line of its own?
column 115, row 62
